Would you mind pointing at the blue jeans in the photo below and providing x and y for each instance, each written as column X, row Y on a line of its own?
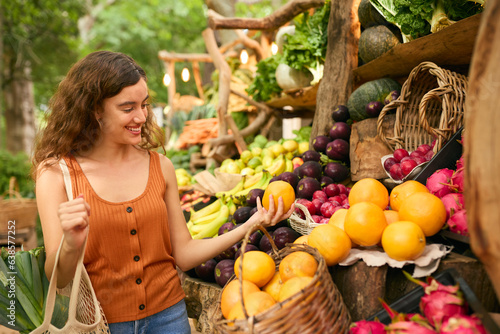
column 173, row 320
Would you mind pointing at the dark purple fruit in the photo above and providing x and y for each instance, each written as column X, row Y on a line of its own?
column 255, row 237
column 325, row 180
column 248, row 248
column 337, row 171
column 394, row 95
column 311, row 169
column 283, row 236
column 253, row 195
column 224, row 270
column 340, row 130
column 228, row 253
column 306, row 187
column 291, row 178
column 275, row 178
column 282, row 223
column 320, row 142
column 254, row 210
column 338, row 149
column 311, row 155
column 340, row 113
column 374, row 108
column 241, row 214
column 265, row 244
column 206, row 270
column 226, row 227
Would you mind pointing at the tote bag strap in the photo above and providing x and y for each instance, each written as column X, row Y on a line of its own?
column 77, row 280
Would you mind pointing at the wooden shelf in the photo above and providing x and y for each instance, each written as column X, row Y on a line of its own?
column 450, row 47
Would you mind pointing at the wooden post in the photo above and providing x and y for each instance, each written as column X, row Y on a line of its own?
column 341, row 58
column 197, row 79
column 482, row 143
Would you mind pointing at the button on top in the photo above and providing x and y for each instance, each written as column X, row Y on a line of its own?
column 138, row 281
column 133, row 232
column 129, row 209
column 136, row 258
column 142, row 307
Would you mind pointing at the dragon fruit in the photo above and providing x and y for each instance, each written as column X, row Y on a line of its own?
column 457, row 180
column 457, row 222
column 440, row 301
column 410, row 327
column 367, row 327
column 460, row 162
column 463, row 324
column 453, row 202
column 439, row 183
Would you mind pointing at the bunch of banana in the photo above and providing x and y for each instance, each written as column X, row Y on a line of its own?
column 259, row 180
column 278, row 166
column 205, row 223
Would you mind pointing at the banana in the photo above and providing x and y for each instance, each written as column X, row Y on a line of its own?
column 262, row 184
column 239, row 186
column 252, row 180
column 289, row 165
column 232, row 207
column 206, row 219
column 209, row 209
column 212, row 228
column 278, row 166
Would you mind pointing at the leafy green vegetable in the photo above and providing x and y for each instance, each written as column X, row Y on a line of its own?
column 264, row 87
column 303, row 134
column 17, row 165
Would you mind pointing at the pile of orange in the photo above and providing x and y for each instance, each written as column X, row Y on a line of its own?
column 264, row 283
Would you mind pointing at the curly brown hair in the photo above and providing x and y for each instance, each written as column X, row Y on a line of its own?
column 72, row 125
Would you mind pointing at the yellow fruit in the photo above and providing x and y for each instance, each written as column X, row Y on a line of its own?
column 403, row 241
column 246, row 155
column 273, row 287
column 338, row 218
column 400, row 192
column 231, row 294
column 255, row 303
column 256, row 151
column 293, row 286
column 279, row 189
column 391, row 216
column 258, row 267
column 301, row 240
column 297, row 264
column 426, row 210
column 332, row 243
column 369, row 190
column 364, row 223
column 290, row 145
column 303, row 147
column 277, row 149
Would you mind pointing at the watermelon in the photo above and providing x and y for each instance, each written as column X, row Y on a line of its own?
column 376, row 41
column 375, row 90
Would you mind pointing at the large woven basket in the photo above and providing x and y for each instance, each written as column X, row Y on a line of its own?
column 430, row 107
column 302, row 225
column 15, row 211
column 318, row 308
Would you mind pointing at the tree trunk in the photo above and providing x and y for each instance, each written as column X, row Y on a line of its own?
column 224, row 8
column 341, row 58
column 20, row 111
column 482, row 143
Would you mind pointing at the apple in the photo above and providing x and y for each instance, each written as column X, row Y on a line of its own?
column 407, row 166
column 400, row 153
column 332, row 190
column 396, row 172
column 321, row 195
column 389, row 162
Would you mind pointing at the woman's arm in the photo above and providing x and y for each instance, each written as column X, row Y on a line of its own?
column 188, row 252
column 59, row 216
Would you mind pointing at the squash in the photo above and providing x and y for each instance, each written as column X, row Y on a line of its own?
column 375, row 90
column 369, row 16
column 289, row 78
column 376, row 41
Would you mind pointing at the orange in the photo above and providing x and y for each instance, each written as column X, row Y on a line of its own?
column 426, row 210
column 292, row 286
column 338, row 218
column 273, row 287
column 369, row 190
column 400, row 192
column 331, row 242
column 297, row 264
column 403, row 241
column 231, row 295
column 301, row 240
column 391, row 216
column 258, row 267
column 255, row 303
column 279, row 189
column 364, row 223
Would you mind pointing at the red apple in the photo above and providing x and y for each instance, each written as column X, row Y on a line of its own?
column 407, row 166
column 308, row 204
column 416, row 154
column 321, row 195
column 332, row 190
column 419, row 160
column 325, row 221
column 317, row 219
column 327, row 209
column 388, row 163
column 405, row 158
column 428, row 156
column 400, row 153
column 424, row 148
column 395, row 172
column 343, row 189
column 317, row 204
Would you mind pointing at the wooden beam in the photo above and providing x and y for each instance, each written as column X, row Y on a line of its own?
column 197, row 79
column 185, row 57
column 271, row 22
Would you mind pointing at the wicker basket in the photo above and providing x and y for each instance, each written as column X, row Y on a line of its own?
column 303, row 226
column 430, row 107
column 15, row 208
column 318, row 308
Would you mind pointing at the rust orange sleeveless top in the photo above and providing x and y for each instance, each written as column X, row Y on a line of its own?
column 129, row 255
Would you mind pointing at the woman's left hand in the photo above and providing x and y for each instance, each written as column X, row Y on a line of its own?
column 274, row 215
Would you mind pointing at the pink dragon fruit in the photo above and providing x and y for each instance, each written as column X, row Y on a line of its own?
column 439, row 183
column 460, row 162
column 463, row 324
column 453, row 202
column 410, row 327
column 367, row 327
column 457, row 180
column 458, row 222
column 440, row 301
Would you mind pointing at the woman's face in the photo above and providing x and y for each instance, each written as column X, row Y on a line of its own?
column 124, row 114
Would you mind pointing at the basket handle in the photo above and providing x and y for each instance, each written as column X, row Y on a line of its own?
column 390, row 142
column 13, row 190
column 436, row 93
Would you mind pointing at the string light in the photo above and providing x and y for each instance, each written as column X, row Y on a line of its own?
column 244, row 56
column 166, row 79
column 185, row 74
column 274, row 48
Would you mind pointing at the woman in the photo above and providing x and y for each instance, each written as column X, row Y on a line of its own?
column 127, row 204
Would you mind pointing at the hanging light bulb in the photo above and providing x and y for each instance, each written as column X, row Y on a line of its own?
column 185, row 74
column 244, row 57
column 274, row 48
column 166, row 79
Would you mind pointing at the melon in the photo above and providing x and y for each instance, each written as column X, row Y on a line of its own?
column 376, row 41
column 369, row 16
column 375, row 90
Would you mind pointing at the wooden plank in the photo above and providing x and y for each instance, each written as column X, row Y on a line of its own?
column 451, row 46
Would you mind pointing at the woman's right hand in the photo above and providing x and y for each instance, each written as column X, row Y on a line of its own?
column 74, row 218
